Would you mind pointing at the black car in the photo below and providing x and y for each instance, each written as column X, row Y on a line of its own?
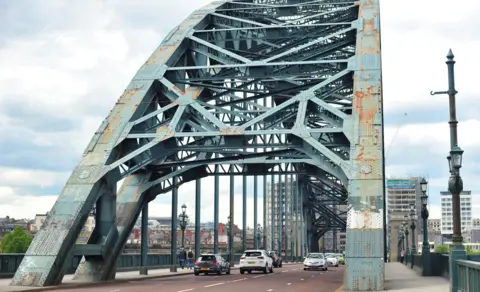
column 277, row 260
column 211, row 263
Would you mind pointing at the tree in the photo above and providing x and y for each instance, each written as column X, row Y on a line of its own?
column 16, row 241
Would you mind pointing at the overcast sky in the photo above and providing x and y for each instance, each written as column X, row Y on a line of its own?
column 63, row 65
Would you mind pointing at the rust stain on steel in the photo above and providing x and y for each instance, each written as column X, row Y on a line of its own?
column 115, row 116
column 232, row 131
column 178, row 90
column 162, row 53
column 194, row 92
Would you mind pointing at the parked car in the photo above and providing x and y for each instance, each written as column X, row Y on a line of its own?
column 277, row 260
column 331, row 259
column 315, row 261
column 211, row 263
column 256, row 260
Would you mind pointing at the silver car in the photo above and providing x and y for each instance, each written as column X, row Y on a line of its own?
column 315, row 261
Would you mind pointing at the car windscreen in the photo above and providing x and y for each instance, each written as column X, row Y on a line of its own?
column 207, row 258
column 315, row 256
column 253, row 254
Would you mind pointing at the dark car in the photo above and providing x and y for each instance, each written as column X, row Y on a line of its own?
column 211, row 263
column 277, row 260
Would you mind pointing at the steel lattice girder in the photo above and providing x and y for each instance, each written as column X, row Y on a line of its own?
column 296, row 81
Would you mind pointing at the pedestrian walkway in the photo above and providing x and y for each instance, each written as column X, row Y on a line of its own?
column 399, row 277
column 68, row 281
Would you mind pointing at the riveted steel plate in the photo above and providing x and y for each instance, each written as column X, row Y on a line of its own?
column 85, row 174
column 365, row 243
column 365, row 274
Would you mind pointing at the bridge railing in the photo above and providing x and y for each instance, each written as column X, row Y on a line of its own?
column 468, row 273
column 126, row 262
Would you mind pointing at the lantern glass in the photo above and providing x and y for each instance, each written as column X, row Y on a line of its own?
column 184, row 208
column 450, row 166
column 423, row 185
column 424, row 199
column 456, row 153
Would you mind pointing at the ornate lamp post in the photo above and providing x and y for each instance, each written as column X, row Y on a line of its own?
column 183, row 223
column 405, row 228
column 413, row 218
column 426, row 244
column 455, row 183
column 259, row 236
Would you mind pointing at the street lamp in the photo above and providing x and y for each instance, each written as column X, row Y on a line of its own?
column 455, row 183
column 413, row 218
column 426, row 244
column 405, row 228
column 183, row 223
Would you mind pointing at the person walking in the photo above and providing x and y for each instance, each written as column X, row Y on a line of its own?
column 402, row 255
column 183, row 256
column 190, row 259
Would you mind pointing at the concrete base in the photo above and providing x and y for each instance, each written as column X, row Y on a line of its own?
column 173, row 268
column 456, row 253
column 143, row 271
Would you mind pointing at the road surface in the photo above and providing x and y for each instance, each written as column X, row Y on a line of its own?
column 286, row 279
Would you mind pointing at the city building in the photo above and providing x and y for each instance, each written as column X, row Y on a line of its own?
column 401, row 192
column 476, row 222
column 280, row 199
column 465, row 212
column 475, row 235
column 7, row 225
column 434, row 225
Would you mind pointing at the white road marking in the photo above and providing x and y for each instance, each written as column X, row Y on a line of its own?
column 258, row 276
column 214, row 285
column 294, row 269
column 186, row 290
column 301, row 279
column 115, row 290
column 285, row 271
column 238, row 280
column 269, row 290
column 288, row 284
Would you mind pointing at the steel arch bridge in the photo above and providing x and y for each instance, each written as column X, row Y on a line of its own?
column 268, row 87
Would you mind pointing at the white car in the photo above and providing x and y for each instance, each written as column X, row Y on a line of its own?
column 256, row 260
column 315, row 261
column 332, row 260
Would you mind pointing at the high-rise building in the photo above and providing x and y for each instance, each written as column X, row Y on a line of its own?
column 447, row 212
column 280, row 201
column 401, row 192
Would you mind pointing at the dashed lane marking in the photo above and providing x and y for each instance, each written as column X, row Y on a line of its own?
column 288, row 284
column 118, row 290
column 285, row 271
column 258, row 276
column 269, row 290
column 301, row 279
column 238, row 280
column 186, row 290
column 216, row 284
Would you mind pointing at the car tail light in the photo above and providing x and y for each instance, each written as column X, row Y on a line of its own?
column 214, row 262
column 197, row 262
column 260, row 258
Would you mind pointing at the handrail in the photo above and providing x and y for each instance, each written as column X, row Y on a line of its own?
column 468, row 273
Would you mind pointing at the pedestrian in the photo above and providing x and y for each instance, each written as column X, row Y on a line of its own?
column 190, row 258
column 183, row 256
column 402, row 256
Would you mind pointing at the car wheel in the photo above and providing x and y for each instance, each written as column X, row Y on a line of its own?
column 271, row 269
column 336, row 265
column 219, row 272
column 249, row 271
column 265, row 270
column 196, row 274
column 281, row 264
column 304, row 269
column 242, row 271
column 228, row 271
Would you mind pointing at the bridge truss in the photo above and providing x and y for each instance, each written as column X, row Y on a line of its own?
column 267, row 87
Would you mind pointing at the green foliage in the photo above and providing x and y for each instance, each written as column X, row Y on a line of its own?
column 470, row 251
column 16, row 241
column 442, row 249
